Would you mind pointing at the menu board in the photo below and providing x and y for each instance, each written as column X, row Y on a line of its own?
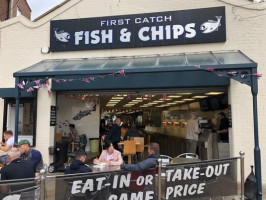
column 53, row 116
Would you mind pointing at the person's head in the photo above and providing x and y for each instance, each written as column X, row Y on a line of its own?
column 118, row 121
column 23, row 146
column 71, row 126
column 133, row 126
column 194, row 115
column 13, row 154
column 221, row 115
column 109, row 147
column 153, row 148
column 8, row 134
column 80, row 155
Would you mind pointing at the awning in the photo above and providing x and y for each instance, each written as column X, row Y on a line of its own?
column 138, row 64
column 11, row 93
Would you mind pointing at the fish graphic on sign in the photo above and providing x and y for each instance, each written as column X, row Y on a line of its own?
column 211, row 25
column 62, row 36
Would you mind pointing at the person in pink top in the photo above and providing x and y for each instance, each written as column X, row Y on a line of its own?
column 109, row 156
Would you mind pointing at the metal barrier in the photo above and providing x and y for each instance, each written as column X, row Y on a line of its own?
column 198, row 180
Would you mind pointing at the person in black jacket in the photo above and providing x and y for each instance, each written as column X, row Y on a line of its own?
column 78, row 165
column 150, row 162
column 114, row 135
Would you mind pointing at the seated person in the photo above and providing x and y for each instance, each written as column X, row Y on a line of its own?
column 150, row 162
column 110, row 156
column 9, row 141
column 133, row 132
column 78, row 165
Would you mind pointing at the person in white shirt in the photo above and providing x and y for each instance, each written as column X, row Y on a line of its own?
column 192, row 132
column 9, row 141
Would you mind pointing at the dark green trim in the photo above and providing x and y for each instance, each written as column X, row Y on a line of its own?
column 11, row 93
column 147, row 81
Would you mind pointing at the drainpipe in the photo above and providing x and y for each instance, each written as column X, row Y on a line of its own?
column 257, row 157
column 17, row 110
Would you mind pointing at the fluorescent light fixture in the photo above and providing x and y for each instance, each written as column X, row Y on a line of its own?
column 134, row 102
column 174, row 96
column 157, row 101
column 213, row 93
column 127, row 105
column 115, row 100
column 171, row 103
column 160, row 106
column 143, row 106
column 165, row 99
column 137, row 100
column 151, row 103
column 117, row 97
column 199, row 97
column 188, row 99
column 179, row 101
column 183, row 93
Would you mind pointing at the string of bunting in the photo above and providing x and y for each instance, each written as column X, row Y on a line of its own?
column 44, row 83
column 231, row 73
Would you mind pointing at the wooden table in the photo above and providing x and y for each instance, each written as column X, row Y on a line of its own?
column 105, row 168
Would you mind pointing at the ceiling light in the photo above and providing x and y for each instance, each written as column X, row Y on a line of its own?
column 117, row 97
column 137, row 100
column 151, row 103
column 214, row 93
column 171, row 103
column 115, row 100
column 143, row 106
column 127, row 105
column 157, row 101
column 183, row 93
column 174, row 96
column 188, row 99
column 165, row 99
column 134, row 102
column 199, row 97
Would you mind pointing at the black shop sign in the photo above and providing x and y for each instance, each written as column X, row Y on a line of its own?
column 204, row 25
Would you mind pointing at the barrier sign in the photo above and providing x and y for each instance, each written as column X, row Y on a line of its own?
column 107, row 186
column 211, row 179
column 140, row 30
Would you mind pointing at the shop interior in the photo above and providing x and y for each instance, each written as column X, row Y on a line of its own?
column 163, row 114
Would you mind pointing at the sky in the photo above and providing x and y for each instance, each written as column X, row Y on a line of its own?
column 39, row 7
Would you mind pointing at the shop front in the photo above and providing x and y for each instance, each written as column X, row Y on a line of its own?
column 150, row 69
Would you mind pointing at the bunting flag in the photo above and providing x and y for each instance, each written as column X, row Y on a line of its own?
column 49, row 93
column 122, row 72
column 44, row 83
column 233, row 73
column 30, row 89
column 164, row 97
column 21, row 86
column 128, row 96
column 210, row 69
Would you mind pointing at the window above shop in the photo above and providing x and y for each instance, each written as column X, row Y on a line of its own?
column 184, row 61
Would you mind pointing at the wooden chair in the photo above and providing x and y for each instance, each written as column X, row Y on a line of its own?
column 148, row 141
column 129, row 149
column 140, row 146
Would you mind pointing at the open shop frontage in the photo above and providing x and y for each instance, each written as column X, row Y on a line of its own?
column 151, row 69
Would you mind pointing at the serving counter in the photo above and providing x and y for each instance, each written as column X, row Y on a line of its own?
column 173, row 143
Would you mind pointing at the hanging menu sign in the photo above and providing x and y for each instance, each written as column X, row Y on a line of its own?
column 142, row 30
column 53, row 116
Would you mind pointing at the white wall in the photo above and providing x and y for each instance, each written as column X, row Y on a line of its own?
column 68, row 107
